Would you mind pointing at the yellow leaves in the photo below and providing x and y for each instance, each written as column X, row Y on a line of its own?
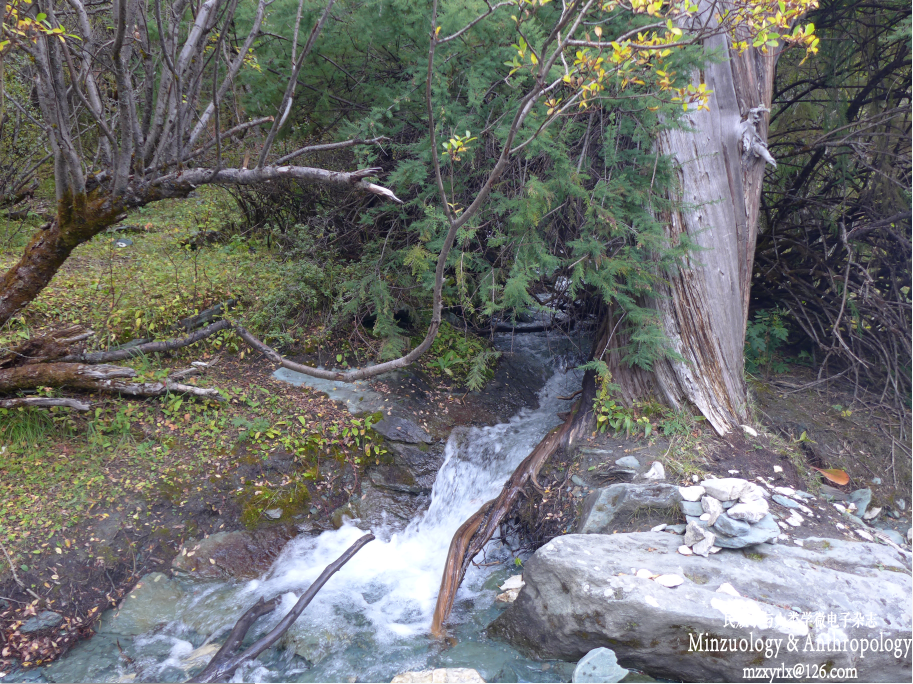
column 552, row 105
column 457, row 145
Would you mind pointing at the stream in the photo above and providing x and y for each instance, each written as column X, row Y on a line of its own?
column 372, row 619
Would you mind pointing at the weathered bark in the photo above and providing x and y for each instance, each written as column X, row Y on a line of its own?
column 704, row 306
column 100, row 378
column 45, row 348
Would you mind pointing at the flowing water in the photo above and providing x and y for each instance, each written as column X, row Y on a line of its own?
column 372, row 619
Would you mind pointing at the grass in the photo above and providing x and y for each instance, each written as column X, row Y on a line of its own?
column 58, row 468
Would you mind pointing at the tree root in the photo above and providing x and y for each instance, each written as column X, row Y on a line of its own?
column 224, row 663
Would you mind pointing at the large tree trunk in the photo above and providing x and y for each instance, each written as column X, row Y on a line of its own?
column 705, row 307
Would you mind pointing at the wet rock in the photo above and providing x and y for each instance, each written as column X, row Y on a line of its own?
column 236, row 555
column 628, row 462
column 443, row 675
column 784, row 501
column 725, row 525
column 377, row 506
column 691, row 507
column 153, row 600
column 46, row 619
column 862, row 498
column 396, row 479
column 571, row 606
column 273, row 513
column 401, row 430
column 607, row 508
column 422, row 464
column 599, row 665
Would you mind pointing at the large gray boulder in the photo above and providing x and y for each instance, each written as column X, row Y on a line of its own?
column 581, row 593
column 613, row 507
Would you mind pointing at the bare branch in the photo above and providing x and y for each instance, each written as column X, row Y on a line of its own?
column 74, row 404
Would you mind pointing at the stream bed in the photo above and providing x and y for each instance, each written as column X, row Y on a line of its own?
column 372, row 619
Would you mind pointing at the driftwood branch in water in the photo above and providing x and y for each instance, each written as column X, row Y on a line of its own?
column 224, row 663
column 479, row 529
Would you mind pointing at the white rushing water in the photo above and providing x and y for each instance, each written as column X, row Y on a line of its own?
column 372, row 619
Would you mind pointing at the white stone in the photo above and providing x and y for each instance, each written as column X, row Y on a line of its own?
column 645, row 574
column 513, row 582
column 851, row 507
column 726, row 588
column 778, row 469
column 659, row 528
column 715, row 549
column 752, row 492
column 865, row 535
column 694, row 478
column 669, row 580
column 841, row 526
column 705, row 516
column 750, row 430
column 871, row 514
column 783, row 524
column 733, row 472
column 656, row 472
column 702, row 548
column 692, row 493
column 712, row 507
column 725, row 489
column 785, row 491
column 795, row 519
column 685, row 550
column 840, row 508
column 750, row 511
column 508, row 596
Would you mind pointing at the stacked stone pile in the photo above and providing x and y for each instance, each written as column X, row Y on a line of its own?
column 728, row 513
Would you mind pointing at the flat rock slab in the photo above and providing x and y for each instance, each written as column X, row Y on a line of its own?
column 235, row 555
column 46, row 619
column 605, row 509
column 401, row 430
column 581, row 593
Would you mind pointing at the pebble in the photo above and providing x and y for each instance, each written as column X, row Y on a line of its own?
column 704, row 516
column 901, row 504
column 273, row 513
column 658, row 528
column 876, row 480
column 784, row 501
column 840, row 508
column 865, row 535
column 685, row 550
column 871, row 514
column 669, row 580
column 785, row 491
column 749, row 431
column 778, row 469
column 733, row 472
column 645, row 574
column 795, row 519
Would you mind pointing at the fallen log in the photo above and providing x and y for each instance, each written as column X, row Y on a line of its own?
column 224, row 663
column 44, row 347
column 98, row 378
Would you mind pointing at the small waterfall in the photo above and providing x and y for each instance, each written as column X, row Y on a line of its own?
column 373, row 618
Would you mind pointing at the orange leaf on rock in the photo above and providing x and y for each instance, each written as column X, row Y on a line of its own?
column 835, row 475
